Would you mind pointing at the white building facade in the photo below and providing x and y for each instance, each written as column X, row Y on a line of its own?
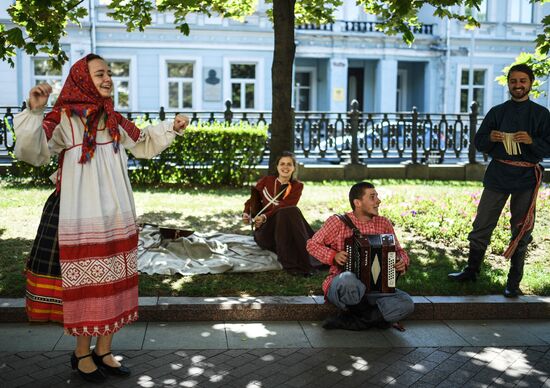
column 445, row 69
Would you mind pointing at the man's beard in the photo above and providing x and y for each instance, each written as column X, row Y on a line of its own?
column 518, row 94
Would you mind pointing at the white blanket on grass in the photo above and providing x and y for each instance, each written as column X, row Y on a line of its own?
column 201, row 254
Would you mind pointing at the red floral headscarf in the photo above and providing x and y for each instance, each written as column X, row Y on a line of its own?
column 80, row 97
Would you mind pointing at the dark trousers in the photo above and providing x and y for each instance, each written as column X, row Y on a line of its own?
column 286, row 233
column 488, row 212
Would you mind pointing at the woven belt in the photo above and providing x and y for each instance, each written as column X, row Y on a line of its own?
column 528, row 220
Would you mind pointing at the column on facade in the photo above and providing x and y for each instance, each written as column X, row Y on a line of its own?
column 386, row 85
column 338, row 83
column 433, row 81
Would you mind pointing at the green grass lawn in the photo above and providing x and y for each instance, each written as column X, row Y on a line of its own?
column 432, row 220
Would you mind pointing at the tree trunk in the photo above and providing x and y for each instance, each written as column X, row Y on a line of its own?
column 282, row 130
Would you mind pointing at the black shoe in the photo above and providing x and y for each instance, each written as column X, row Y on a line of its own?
column 97, row 376
column 361, row 309
column 510, row 292
column 382, row 324
column 346, row 321
column 113, row 370
column 463, row 276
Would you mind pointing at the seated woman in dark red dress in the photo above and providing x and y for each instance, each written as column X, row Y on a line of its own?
column 281, row 227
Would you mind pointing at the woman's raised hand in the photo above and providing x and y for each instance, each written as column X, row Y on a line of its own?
column 38, row 96
column 180, row 123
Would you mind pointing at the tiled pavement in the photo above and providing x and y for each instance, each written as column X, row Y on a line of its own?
column 293, row 354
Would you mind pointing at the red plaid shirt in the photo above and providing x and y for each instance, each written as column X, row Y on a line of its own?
column 329, row 240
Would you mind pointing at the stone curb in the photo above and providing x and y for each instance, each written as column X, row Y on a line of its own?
column 311, row 308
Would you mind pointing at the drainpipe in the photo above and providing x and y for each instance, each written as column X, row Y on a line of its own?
column 92, row 25
column 447, row 66
column 471, row 70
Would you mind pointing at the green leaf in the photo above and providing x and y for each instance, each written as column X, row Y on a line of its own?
column 15, row 37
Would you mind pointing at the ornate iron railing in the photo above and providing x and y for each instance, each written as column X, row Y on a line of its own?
column 335, row 137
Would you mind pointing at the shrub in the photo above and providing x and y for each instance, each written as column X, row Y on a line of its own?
column 206, row 154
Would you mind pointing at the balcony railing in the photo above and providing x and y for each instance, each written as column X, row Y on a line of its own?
column 353, row 26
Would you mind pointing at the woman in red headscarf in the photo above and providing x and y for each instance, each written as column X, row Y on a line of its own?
column 82, row 270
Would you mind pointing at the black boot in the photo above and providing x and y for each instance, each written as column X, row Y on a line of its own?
column 516, row 273
column 475, row 258
column 465, row 275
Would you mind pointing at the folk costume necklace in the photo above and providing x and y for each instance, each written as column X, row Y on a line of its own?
column 285, row 190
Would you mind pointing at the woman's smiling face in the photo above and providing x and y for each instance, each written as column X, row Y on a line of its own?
column 101, row 77
column 285, row 167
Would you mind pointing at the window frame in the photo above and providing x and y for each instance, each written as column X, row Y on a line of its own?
column 475, row 12
column 131, row 78
column 401, row 90
column 30, row 81
column 312, row 87
column 488, row 90
column 521, row 5
column 259, row 92
column 196, row 92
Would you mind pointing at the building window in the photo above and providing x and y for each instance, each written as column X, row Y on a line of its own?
column 180, row 84
column 303, row 90
column 401, row 91
column 521, row 11
column 44, row 72
column 472, row 88
column 121, row 83
column 243, row 86
column 480, row 15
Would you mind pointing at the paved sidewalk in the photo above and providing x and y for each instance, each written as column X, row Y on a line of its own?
column 293, row 354
column 310, row 308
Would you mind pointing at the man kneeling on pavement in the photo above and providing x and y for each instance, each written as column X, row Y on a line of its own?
column 359, row 309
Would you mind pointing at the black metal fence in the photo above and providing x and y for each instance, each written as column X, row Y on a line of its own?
column 372, row 137
column 335, row 137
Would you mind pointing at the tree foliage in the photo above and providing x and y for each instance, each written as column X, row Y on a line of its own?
column 541, row 68
column 136, row 14
column 40, row 25
column 399, row 16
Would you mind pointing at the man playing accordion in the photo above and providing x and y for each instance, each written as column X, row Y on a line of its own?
column 360, row 309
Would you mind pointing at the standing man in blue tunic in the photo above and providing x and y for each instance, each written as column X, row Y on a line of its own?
column 516, row 134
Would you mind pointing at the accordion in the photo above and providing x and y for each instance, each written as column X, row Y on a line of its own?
column 372, row 259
